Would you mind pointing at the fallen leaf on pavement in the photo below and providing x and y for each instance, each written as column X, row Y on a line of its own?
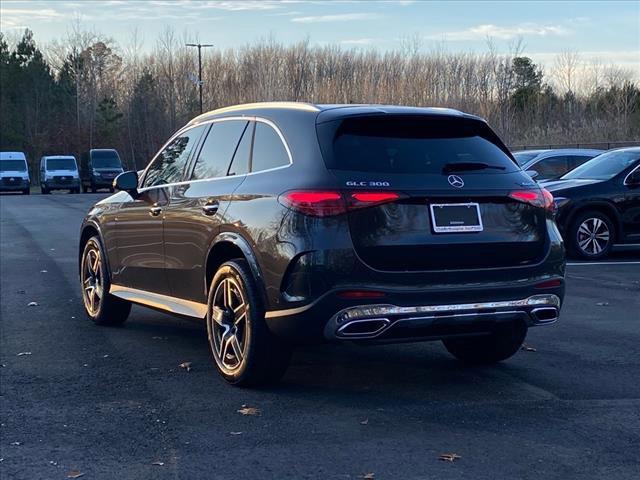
column 449, row 457
column 74, row 474
column 43, row 271
column 235, row 433
column 364, row 422
column 186, row 366
column 158, row 463
column 249, row 411
column 24, row 353
column 15, row 444
column 602, row 304
column 527, row 348
column 369, row 476
column 32, row 304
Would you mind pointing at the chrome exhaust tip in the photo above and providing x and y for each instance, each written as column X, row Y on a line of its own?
column 544, row 315
column 366, row 328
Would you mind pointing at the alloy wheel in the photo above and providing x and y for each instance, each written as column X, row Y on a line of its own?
column 92, row 286
column 593, row 236
column 229, row 324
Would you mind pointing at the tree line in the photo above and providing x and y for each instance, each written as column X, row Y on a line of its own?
column 88, row 92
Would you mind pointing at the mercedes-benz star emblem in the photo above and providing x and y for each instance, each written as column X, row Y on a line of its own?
column 455, row 181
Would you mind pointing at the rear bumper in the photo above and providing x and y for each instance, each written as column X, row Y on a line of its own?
column 414, row 316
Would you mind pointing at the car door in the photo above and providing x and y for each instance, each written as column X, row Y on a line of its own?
column 630, row 209
column 139, row 222
column 198, row 205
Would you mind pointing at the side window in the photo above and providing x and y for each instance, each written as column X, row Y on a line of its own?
column 551, row 167
column 218, row 149
column 268, row 149
column 240, row 163
column 577, row 160
column 168, row 166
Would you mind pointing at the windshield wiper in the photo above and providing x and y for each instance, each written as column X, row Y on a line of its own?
column 462, row 166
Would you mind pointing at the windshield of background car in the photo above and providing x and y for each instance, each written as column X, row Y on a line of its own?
column 106, row 159
column 13, row 166
column 404, row 144
column 522, row 157
column 605, row 166
column 61, row 164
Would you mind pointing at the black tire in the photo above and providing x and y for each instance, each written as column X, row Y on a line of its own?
column 502, row 343
column 102, row 308
column 26, row 191
column 263, row 357
column 584, row 245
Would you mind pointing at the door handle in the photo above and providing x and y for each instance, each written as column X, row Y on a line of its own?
column 210, row 208
column 155, row 211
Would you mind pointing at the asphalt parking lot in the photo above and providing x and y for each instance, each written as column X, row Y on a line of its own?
column 114, row 403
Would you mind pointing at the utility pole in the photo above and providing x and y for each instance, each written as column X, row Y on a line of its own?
column 200, row 47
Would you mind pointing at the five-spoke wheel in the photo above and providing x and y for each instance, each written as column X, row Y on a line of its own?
column 244, row 349
column 100, row 306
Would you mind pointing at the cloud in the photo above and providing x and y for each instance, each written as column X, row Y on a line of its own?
column 502, row 32
column 231, row 6
column 344, row 17
column 16, row 17
column 357, row 41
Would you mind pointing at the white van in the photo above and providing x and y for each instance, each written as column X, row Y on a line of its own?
column 14, row 173
column 59, row 172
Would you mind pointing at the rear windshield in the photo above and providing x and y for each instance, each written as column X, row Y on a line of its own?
column 411, row 145
column 13, row 166
column 61, row 164
column 105, row 159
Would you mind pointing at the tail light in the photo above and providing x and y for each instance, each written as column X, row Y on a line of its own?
column 328, row 203
column 538, row 198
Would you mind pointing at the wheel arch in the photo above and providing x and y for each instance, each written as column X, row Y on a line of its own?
column 228, row 246
column 91, row 229
column 601, row 207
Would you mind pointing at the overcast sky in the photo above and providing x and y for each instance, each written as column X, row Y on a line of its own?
column 609, row 30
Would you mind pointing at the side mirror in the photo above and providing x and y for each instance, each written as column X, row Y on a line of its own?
column 532, row 173
column 128, row 182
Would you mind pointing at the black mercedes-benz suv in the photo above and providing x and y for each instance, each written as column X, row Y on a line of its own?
column 289, row 223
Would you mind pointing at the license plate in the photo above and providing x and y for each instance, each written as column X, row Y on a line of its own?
column 455, row 217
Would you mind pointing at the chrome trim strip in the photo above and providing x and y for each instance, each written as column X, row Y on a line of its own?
column 352, row 313
column 216, row 120
column 162, row 302
column 624, row 182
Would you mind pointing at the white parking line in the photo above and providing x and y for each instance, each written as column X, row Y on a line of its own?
column 602, row 263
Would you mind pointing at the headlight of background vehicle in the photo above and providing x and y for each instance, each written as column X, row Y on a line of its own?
column 96, row 173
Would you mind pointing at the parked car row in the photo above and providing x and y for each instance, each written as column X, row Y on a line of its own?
column 596, row 192
column 98, row 169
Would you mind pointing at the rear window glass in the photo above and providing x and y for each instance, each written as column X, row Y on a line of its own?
column 410, row 144
column 61, row 164
column 13, row 166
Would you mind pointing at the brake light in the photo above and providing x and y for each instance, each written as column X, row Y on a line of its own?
column 542, row 198
column 328, row 203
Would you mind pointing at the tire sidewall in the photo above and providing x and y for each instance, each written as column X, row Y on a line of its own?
column 94, row 243
column 573, row 241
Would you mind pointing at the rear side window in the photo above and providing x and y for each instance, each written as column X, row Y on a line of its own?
column 240, row 163
column 577, row 160
column 268, row 149
column 553, row 167
column 410, row 144
column 218, row 149
column 169, row 165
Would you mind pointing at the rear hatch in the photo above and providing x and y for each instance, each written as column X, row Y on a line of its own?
column 462, row 202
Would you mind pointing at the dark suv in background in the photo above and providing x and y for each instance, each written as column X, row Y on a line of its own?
column 290, row 223
column 98, row 168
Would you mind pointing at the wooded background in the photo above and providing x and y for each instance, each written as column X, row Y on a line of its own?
column 86, row 91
